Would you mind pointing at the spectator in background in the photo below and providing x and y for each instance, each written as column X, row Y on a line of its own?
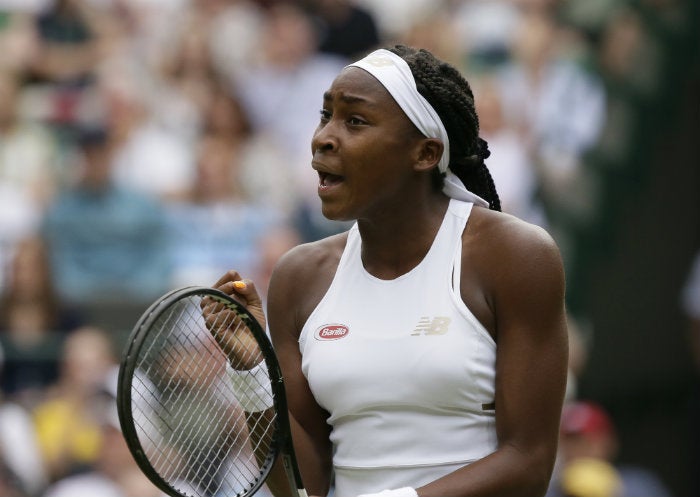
column 9, row 485
column 114, row 472
column 68, row 43
column 436, row 32
column 588, row 477
column 262, row 171
column 188, row 80
column 17, row 38
column 19, row 219
column 485, row 30
column 66, row 421
column 29, row 169
column 148, row 155
column 510, row 164
column 628, row 54
column 588, row 450
column 230, row 30
column 280, row 91
column 28, row 152
column 580, row 340
column 224, row 115
column 216, row 226
column 288, row 65
column 345, row 28
column 556, row 104
column 33, row 322
column 395, row 17
column 21, row 467
column 72, row 37
column 559, row 107
column 257, row 158
column 105, row 241
column 272, row 246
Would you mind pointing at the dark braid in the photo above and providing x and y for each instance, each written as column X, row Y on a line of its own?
column 451, row 96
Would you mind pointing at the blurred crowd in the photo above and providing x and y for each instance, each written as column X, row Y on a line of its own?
column 152, row 144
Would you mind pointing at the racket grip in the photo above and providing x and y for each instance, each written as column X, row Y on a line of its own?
column 252, row 388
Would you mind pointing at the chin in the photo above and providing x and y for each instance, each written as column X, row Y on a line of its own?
column 334, row 214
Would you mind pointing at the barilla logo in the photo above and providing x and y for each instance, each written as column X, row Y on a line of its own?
column 331, row 332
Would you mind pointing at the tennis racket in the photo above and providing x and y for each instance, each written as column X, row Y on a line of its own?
column 181, row 417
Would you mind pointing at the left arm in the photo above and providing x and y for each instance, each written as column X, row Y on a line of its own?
column 522, row 279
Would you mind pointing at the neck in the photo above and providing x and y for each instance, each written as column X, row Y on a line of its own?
column 394, row 243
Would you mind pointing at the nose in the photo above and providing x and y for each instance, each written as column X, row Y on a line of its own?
column 324, row 140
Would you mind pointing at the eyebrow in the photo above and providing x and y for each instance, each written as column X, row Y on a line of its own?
column 348, row 99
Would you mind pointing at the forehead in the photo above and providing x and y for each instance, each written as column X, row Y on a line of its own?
column 357, row 85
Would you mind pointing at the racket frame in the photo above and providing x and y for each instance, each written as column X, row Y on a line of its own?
column 282, row 441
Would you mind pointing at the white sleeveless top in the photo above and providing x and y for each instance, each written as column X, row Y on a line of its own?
column 403, row 367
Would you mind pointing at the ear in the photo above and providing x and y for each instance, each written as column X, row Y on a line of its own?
column 429, row 154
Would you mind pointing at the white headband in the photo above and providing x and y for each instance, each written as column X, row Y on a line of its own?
column 395, row 75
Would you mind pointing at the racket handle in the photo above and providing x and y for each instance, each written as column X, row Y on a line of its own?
column 293, row 476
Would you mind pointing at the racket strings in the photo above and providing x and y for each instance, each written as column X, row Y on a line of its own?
column 195, row 434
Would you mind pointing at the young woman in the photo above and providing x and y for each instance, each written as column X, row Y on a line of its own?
column 424, row 350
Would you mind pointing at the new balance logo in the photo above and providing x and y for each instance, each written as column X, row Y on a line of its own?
column 432, row 326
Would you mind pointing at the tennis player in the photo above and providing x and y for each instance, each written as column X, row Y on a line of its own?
column 424, row 351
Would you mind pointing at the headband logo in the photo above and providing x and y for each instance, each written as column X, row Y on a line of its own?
column 379, row 61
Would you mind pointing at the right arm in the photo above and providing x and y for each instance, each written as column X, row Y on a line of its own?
column 294, row 291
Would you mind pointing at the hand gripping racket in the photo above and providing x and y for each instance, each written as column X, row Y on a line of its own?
column 186, row 424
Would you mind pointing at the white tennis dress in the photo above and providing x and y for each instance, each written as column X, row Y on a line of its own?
column 404, row 368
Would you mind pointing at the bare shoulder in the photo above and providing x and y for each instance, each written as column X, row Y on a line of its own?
column 508, row 236
column 507, row 250
column 302, row 276
column 497, row 229
column 306, row 262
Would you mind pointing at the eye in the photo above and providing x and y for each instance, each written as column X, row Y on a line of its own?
column 325, row 115
column 356, row 121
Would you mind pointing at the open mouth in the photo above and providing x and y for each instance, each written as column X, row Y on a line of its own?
column 326, row 180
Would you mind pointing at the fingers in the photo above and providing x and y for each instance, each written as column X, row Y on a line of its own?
column 244, row 291
column 232, row 283
column 226, row 279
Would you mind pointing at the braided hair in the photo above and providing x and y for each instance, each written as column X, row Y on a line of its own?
column 449, row 93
